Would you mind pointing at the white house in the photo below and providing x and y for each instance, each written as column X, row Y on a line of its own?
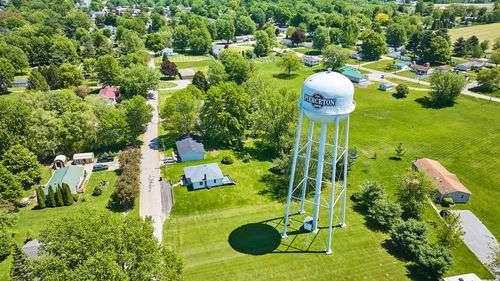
column 311, row 61
column 203, row 176
column 447, row 184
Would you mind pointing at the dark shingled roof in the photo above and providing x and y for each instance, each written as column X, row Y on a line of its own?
column 188, row 143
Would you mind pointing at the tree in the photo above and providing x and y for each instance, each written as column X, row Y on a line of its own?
column 41, row 199
column 104, row 258
column 298, row 37
column 235, row 65
column 138, row 80
column 446, row 87
column 434, row 261
column 400, row 152
column 15, row 56
column 495, row 57
column 321, row 38
column 181, row 110
column 496, row 44
column 289, row 62
column 224, row 117
column 157, row 22
column 373, row 45
column 7, row 220
column 7, row 73
column 259, row 17
column 409, row 237
column 21, row 265
column 10, row 188
column 381, row 17
column 200, row 81
column 413, row 193
column 67, row 196
column 130, row 42
column 460, row 47
column 414, row 43
column 350, row 32
column 472, row 42
column 107, row 70
column 289, row 31
column 262, row 45
column 169, row 68
column 82, row 91
column 395, row 35
column 200, row 40
column 36, row 82
column 69, row 76
column 489, row 79
column 59, row 196
column 449, row 233
column 154, row 42
column 485, row 45
column 244, row 26
column 385, row 212
column 138, row 114
column 63, row 50
column 216, row 73
column 51, row 75
column 52, row 197
column 402, row 90
column 476, row 52
column 334, row 56
column 225, row 29
column 23, row 164
column 369, row 193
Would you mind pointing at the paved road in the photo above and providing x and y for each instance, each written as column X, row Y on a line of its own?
column 150, row 194
column 477, row 237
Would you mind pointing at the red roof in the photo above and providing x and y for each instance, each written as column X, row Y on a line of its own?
column 420, row 67
column 109, row 92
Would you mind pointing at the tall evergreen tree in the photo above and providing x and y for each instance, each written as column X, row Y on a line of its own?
column 52, row 197
column 460, row 47
column 40, row 198
column 37, row 82
column 200, row 81
column 21, row 266
column 59, row 196
column 51, row 74
column 68, row 197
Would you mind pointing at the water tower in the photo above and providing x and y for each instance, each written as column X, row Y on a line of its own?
column 327, row 99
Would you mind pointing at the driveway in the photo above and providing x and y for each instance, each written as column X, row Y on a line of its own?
column 477, row 237
column 181, row 84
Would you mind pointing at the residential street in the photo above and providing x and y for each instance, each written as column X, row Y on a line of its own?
column 150, row 191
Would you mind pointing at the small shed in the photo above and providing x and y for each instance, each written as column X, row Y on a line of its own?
column 60, row 161
column 311, row 61
column 354, row 75
column 203, row 176
column 463, row 277
column 83, row 158
column 186, row 73
column 31, row 248
column 110, row 94
column 386, row 86
column 442, row 68
column 19, row 83
column 190, row 148
column 403, row 65
column 447, row 184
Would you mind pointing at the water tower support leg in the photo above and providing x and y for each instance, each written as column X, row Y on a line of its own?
column 292, row 176
column 319, row 176
column 332, row 192
column 306, row 167
column 344, row 185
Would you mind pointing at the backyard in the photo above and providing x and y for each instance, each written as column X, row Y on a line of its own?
column 242, row 222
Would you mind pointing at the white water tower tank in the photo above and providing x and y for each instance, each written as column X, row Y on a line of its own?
column 327, row 96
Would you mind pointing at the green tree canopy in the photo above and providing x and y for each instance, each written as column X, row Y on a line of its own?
column 200, row 40
column 23, row 164
column 154, row 42
column 334, row 56
column 138, row 114
column 262, row 46
column 7, row 73
column 321, row 38
column 409, row 237
column 289, row 62
column 216, row 73
column 236, row 66
column 446, row 87
column 225, row 29
column 181, row 110
column 36, row 82
column 413, row 193
column 107, row 70
column 181, row 37
column 138, row 80
column 244, row 26
column 69, row 76
column 373, row 45
column 10, row 187
column 489, row 79
column 395, row 35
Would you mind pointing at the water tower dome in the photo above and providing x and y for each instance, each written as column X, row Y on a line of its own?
column 327, row 96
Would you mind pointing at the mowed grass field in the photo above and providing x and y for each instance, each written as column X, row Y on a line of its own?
column 232, row 232
column 483, row 32
column 186, row 60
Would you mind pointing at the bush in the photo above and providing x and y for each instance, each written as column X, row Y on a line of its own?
column 369, row 193
column 97, row 190
column 75, row 197
column 82, row 91
column 227, row 159
column 434, row 261
column 385, row 212
column 402, row 90
column 447, row 201
column 247, row 158
column 409, row 237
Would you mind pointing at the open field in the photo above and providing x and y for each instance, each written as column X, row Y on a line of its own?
column 381, row 65
column 407, row 73
column 166, row 85
column 408, row 83
column 483, row 32
column 230, row 233
column 32, row 219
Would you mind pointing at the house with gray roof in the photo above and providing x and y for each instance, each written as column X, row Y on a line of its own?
column 189, row 148
column 203, row 176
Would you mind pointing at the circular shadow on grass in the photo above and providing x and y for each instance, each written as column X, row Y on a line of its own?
column 255, row 239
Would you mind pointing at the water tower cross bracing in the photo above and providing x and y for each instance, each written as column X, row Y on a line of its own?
column 327, row 99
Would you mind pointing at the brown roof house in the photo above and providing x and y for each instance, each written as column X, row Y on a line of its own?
column 421, row 69
column 447, row 184
column 185, row 74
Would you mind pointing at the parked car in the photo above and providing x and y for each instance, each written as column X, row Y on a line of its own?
column 105, row 159
column 100, row 167
column 169, row 160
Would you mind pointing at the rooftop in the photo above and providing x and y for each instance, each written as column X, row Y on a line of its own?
column 109, row 92
column 69, row 175
column 420, row 67
column 203, row 172
column 188, row 143
column 186, row 72
column 85, row 155
column 309, row 58
column 445, row 181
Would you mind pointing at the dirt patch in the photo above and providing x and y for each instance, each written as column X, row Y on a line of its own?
column 247, row 140
column 214, row 153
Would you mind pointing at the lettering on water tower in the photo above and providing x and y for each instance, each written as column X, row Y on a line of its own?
column 318, row 101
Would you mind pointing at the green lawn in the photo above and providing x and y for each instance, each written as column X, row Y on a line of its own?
column 483, row 32
column 381, row 65
column 408, row 83
column 217, row 232
column 307, row 51
column 165, row 85
column 407, row 73
column 182, row 58
column 31, row 219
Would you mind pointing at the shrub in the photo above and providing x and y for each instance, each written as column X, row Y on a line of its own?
column 434, row 261
column 82, row 91
column 75, row 197
column 402, row 90
column 409, row 237
column 385, row 212
column 227, row 159
column 97, row 190
column 369, row 193
column 247, row 158
column 447, row 201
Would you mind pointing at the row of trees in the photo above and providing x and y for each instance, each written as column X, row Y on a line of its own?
column 61, row 197
column 127, row 185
